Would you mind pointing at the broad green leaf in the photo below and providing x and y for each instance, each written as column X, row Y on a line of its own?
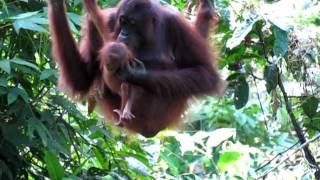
column 25, row 63
column 38, row 20
column 233, row 76
column 137, row 166
column 37, row 125
column 75, row 18
column 310, row 106
column 138, row 155
column 228, row 158
column 241, row 32
column 236, row 54
column 281, row 23
column 12, row 132
column 170, row 157
column 72, row 27
column 172, row 161
column 99, row 157
column 77, row 2
column 20, row 92
column 5, row 66
column 199, row 136
column 280, row 46
column 218, row 136
column 97, row 134
column 25, row 15
column 3, row 82
column 241, row 93
column 47, row 73
column 67, row 105
column 25, row 24
column 55, row 170
column 186, row 142
column 3, row 91
column 270, row 75
column 12, row 97
column 5, row 170
column 30, row 21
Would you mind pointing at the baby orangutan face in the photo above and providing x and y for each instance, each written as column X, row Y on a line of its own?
column 116, row 56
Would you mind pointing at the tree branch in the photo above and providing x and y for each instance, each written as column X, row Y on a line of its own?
column 308, row 155
column 302, row 146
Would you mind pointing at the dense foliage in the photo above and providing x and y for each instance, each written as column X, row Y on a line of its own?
column 269, row 55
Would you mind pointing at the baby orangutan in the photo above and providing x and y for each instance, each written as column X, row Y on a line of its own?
column 114, row 57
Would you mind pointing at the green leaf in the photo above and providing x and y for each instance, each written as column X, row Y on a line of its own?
column 241, row 32
column 47, row 73
column 56, row 171
column 12, row 97
column 99, row 157
column 233, row 76
column 75, row 18
column 72, row 27
column 170, row 155
column 4, row 169
column 25, row 24
column 3, row 91
column 30, row 21
column 38, row 20
column 241, row 93
column 235, row 54
column 280, row 46
column 25, row 15
column 3, row 82
column 37, row 125
column 25, row 63
column 13, row 133
column 67, row 105
column 216, row 137
column 96, row 135
column 20, row 92
column 270, row 75
column 228, row 158
column 310, row 106
column 5, row 66
column 137, row 166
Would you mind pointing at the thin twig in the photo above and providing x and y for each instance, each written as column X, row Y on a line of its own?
column 259, row 99
column 40, row 95
column 302, row 146
column 275, row 157
column 6, row 25
column 255, row 77
column 73, row 143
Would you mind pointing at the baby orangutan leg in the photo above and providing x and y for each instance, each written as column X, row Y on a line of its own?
column 127, row 95
column 124, row 113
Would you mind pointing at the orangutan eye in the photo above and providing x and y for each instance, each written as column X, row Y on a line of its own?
column 123, row 20
column 132, row 22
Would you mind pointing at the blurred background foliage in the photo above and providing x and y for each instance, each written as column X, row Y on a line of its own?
column 269, row 55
